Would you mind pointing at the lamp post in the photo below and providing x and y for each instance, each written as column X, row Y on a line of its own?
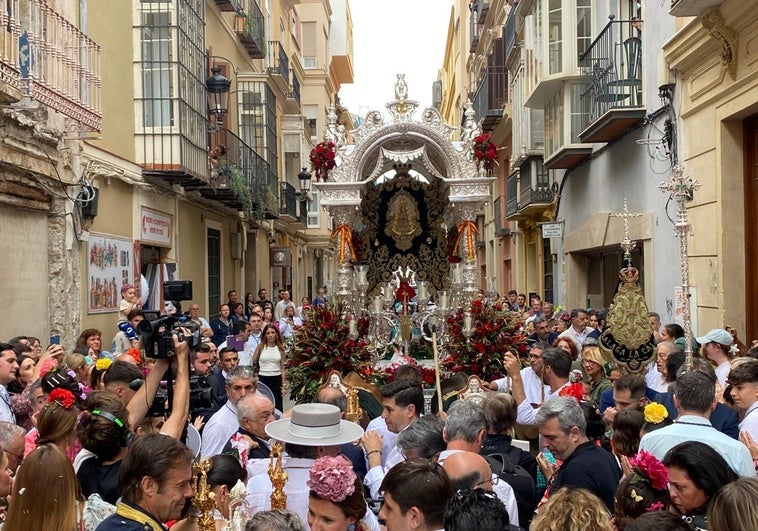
column 305, row 183
column 217, row 87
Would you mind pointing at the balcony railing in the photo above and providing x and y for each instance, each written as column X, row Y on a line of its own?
column 51, row 61
column 500, row 228
column 511, row 194
column 278, row 62
column 240, row 178
column 509, row 35
column 612, row 72
column 248, row 24
column 475, row 29
column 292, row 98
column 491, row 96
column 290, row 206
column 229, row 5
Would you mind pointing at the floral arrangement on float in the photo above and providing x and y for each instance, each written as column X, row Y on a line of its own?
column 496, row 330
column 322, row 159
column 324, row 344
column 485, row 153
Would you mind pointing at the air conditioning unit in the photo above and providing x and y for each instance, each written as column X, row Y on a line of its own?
column 692, row 8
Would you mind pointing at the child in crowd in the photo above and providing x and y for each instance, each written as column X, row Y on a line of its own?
column 129, row 301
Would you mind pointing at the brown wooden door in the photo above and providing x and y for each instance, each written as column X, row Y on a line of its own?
column 751, row 228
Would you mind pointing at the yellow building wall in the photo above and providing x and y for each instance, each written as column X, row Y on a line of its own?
column 713, row 103
column 110, row 25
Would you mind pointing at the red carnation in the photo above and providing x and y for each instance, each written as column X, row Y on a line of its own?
column 575, row 390
column 63, row 397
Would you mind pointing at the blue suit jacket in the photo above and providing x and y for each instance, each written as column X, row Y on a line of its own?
column 723, row 417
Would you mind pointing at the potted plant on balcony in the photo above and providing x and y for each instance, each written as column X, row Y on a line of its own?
column 270, row 204
column 237, row 183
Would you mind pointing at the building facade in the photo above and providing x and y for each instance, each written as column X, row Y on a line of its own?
column 50, row 98
column 189, row 167
column 714, row 56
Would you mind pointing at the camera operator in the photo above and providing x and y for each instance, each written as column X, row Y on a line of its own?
column 201, row 401
column 106, row 428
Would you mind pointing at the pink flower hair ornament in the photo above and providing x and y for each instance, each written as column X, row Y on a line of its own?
column 332, row 478
column 647, row 465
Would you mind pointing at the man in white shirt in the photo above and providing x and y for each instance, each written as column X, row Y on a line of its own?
column 224, row 423
column 403, row 403
column 578, row 331
column 717, row 346
column 695, row 399
column 314, row 430
column 8, row 373
column 556, row 366
column 536, row 390
column 256, row 331
column 240, row 342
column 744, row 382
column 281, row 305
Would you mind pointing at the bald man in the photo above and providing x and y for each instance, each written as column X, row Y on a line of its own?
column 468, row 470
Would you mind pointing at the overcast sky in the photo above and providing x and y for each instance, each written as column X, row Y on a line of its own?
column 395, row 37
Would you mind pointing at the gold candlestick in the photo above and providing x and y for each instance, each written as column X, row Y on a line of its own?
column 278, row 477
column 203, row 498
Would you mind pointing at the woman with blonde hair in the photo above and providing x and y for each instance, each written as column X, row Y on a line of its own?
column 735, row 506
column 572, row 510
column 269, row 358
column 336, row 501
column 45, row 493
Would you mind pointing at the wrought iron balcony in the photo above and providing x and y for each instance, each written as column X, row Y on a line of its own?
column 51, row 61
column 500, row 228
column 611, row 96
column 512, row 47
column 291, row 208
column 529, row 191
column 692, row 8
column 240, row 178
column 484, row 8
column 491, row 96
column 248, row 25
column 279, row 66
column 475, row 30
column 229, row 5
column 511, row 196
column 292, row 98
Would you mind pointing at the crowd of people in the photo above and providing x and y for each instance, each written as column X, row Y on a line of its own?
column 566, row 440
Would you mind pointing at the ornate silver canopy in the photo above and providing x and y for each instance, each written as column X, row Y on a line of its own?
column 426, row 145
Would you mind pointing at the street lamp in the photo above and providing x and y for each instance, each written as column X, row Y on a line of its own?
column 217, row 87
column 305, row 183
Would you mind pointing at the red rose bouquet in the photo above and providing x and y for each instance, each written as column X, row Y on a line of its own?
column 322, row 159
column 485, row 153
column 496, row 329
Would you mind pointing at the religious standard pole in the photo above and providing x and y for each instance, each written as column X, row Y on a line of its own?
column 682, row 189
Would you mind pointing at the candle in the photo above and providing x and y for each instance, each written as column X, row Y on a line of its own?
column 467, row 321
column 361, row 275
column 377, row 305
column 423, row 294
column 456, row 273
column 389, row 293
column 442, row 303
column 353, row 328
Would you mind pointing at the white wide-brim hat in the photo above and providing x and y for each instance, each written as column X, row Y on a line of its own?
column 314, row 425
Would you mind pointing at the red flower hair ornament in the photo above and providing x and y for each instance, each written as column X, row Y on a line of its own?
column 63, row 397
column 575, row 390
column 332, row 478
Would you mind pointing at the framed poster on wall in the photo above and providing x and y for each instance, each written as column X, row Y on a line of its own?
column 110, row 265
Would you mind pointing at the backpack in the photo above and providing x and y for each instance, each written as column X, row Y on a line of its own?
column 522, row 483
